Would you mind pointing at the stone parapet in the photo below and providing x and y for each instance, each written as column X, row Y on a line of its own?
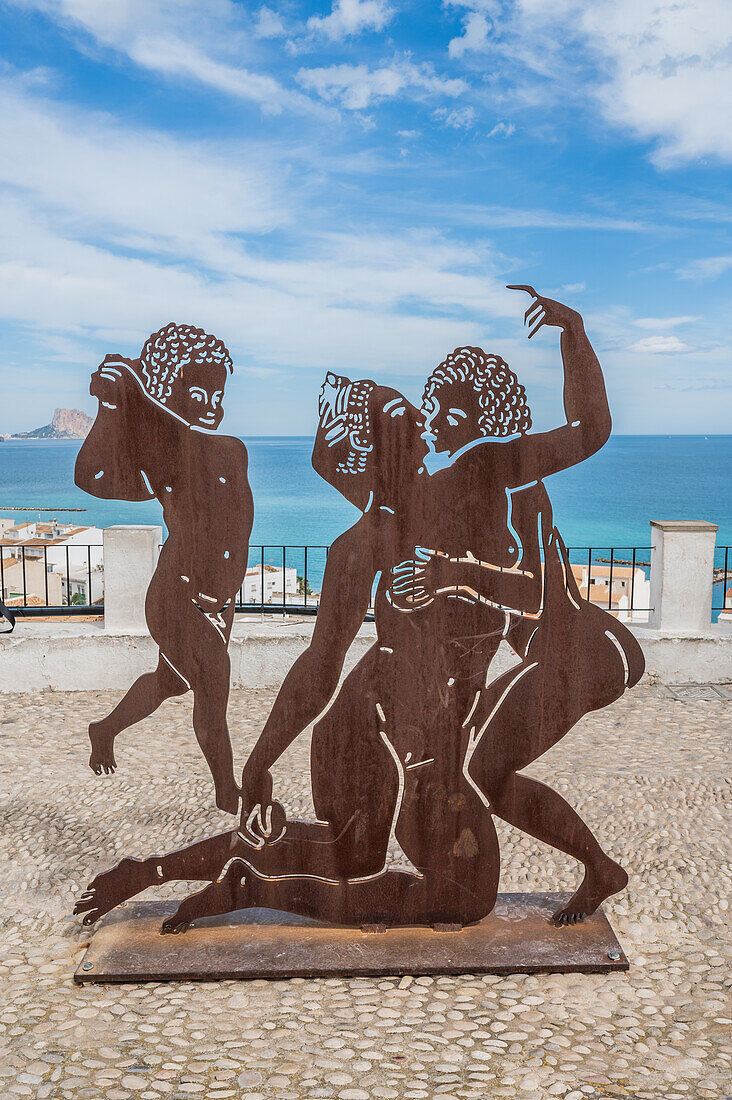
column 86, row 657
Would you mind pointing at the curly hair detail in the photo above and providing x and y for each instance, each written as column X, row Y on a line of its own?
column 167, row 351
column 344, row 413
column 502, row 398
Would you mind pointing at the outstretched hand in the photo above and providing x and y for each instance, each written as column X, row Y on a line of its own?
column 545, row 311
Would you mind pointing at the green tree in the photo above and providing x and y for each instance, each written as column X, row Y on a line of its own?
column 303, row 587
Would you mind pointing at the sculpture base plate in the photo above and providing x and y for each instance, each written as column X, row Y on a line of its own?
column 517, row 938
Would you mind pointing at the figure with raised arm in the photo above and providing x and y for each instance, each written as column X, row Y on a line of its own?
column 155, row 436
column 577, row 657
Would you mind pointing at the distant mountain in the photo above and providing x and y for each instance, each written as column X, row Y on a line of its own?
column 66, row 424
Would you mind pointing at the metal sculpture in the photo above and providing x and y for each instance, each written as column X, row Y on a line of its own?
column 155, row 436
column 418, row 743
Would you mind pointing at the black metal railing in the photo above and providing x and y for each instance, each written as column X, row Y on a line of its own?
column 52, row 578
column 721, row 588
column 623, row 570
column 68, row 579
column 280, row 579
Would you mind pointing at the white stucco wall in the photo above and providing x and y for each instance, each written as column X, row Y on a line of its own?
column 86, row 657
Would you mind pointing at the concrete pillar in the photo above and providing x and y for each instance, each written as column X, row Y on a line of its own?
column 682, row 562
column 130, row 558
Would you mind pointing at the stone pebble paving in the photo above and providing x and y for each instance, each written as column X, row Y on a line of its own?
column 649, row 775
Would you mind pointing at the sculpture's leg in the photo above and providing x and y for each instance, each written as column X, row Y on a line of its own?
column 203, row 860
column 353, row 842
column 447, row 833
column 210, row 701
column 524, row 716
column 196, row 649
column 142, row 700
column 537, row 809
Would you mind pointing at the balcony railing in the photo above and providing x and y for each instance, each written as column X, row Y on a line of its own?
column 69, row 579
column 723, row 600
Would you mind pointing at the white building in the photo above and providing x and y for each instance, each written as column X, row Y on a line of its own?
column 614, row 587
column 265, row 585
column 63, row 562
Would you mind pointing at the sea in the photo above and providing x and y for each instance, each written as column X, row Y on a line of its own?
column 605, row 503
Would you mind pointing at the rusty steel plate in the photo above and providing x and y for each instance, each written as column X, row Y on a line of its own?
column 517, row 938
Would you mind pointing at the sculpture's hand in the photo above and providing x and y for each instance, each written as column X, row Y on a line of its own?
column 107, row 378
column 262, row 819
column 545, row 311
column 414, row 582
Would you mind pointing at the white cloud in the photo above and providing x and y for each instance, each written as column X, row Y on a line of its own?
column 671, row 72
column 665, row 66
column 709, row 267
column 660, row 345
column 140, row 186
column 485, row 216
column 351, row 17
column 188, row 39
column 174, row 57
column 459, row 118
column 706, row 383
column 474, row 38
column 356, row 87
column 269, row 24
column 385, row 304
column 502, row 129
column 132, row 228
column 663, row 322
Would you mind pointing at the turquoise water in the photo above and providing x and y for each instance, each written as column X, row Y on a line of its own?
column 606, row 501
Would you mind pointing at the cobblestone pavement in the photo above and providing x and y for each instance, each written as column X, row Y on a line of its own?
column 648, row 775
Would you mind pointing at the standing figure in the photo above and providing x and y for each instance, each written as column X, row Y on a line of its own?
column 154, row 436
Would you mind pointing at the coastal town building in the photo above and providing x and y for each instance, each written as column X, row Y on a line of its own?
column 618, row 588
column 266, row 584
column 50, row 563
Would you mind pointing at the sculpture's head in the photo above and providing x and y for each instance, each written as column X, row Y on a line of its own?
column 185, row 369
column 369, row 443
column 471, row 395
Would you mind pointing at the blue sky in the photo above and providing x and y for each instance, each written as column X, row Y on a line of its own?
column 350, row 184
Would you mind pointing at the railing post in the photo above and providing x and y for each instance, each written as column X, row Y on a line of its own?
column 682, row 564
column 130, row 558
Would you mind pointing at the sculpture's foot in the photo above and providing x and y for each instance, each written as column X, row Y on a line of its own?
column 102, row 759
column 111, row 888
column 225, row 896
column 599, row 883
column 227, row 797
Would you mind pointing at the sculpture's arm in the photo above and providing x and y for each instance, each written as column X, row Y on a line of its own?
column 312, row 680
column 515, row 589
column 588, row 422
column 518, row 588
column 416, row 582
column 106, row 466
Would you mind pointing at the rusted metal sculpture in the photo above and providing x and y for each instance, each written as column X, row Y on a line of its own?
column 155, row 436
column 419, row 742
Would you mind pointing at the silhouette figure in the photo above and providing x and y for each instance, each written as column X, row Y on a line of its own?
column 579, row 658
column 401, row 748
column 154, row 436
